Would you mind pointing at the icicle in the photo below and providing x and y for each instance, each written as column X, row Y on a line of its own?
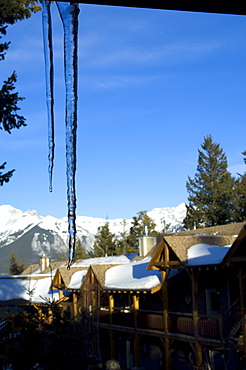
column 49, row 72
column 69, row 15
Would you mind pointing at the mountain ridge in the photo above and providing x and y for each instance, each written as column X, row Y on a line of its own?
column 30, row 235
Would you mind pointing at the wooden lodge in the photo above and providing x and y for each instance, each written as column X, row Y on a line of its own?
column 181, row 306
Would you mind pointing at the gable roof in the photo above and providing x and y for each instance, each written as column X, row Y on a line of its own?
column 100, row 271
column 237, row 252
column 178, row 251
column 67, row 276
column 35, row 268
column 30, row 288
column 133, row 276
column 181, row 244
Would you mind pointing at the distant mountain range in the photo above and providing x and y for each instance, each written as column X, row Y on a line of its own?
column 30, row 235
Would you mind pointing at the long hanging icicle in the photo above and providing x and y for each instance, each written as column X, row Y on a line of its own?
column 69, row 15
column 49, row 78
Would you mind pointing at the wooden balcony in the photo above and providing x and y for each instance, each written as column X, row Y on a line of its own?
column 207, row 328
column 153, row 321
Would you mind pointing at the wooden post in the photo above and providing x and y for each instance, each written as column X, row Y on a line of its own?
column 75, row 307
column 198, row 348
column 93, row 298
column 50, row 315
column 59, row 283
column 242, row 303
column 135, row 303
column 165, row 321
column 112, row 341
column 136, row 336
column 166, row 253
column 111, row 308
column 75, row 311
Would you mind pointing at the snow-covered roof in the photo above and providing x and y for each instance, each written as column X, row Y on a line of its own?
column 19, row 287
column 181, row 244
column 77, row 279
column 132, row 276
column 206, row 254
column 102, row 260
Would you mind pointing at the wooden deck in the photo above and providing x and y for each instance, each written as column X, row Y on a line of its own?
column 214, row 329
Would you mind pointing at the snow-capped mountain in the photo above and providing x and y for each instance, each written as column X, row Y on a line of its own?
column 30, row 235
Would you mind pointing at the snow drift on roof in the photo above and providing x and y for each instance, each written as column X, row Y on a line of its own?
column 35, row 289
column 133, row 275
column 76, row 279
column 206, row 254
column 114, row 260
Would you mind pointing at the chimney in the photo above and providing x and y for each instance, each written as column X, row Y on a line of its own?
column 146, row 243
column 44, row 263
column 145, row 230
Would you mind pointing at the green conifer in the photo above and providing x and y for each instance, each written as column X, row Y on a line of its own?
column 138, row 228
column 212, row 193
column 80, row 252
column 16, row 267
column 122, row 245
column 104, row 244
column 10, row 13
column 241, row 192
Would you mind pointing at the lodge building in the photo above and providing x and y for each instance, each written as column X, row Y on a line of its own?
column 177, row 304
column 181, row 306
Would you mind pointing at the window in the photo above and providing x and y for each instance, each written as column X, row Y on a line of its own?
column 16, row 310
column 7, row 310
column 212, row 302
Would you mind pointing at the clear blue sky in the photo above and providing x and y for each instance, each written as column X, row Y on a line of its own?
column 152, row 84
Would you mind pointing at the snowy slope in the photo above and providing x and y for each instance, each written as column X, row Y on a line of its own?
column 28, row 233
column 14, row 223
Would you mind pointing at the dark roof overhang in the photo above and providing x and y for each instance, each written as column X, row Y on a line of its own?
column 217, row 6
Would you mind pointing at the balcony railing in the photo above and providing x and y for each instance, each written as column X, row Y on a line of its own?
column 209, row 327
column 154, row 321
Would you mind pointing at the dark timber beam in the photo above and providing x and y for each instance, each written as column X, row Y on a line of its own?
column 203, row 6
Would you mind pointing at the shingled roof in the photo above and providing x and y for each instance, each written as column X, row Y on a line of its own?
column 35, row 268
column 99, row 271
column 181, row 244
column 66, row 274
column 230, row 229
column 204, row 240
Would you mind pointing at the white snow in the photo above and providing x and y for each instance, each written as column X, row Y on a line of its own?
column 133, row 275
column 76, row 279
column 102, row 261
column 14, row 223
column 14, row 287
column 126, row 275
column 206, row 254
column 171, row 215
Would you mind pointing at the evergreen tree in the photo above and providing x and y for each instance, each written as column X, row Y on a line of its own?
column 80, row 252
column 16, row 267
column 11, row 12
column 212, row 193
column 165, row 227
column 54, row 344
column 241, row 192
column 122, row 245
column 137, row 229
column 5, row 177
column 244, row 153
column 104, row 245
